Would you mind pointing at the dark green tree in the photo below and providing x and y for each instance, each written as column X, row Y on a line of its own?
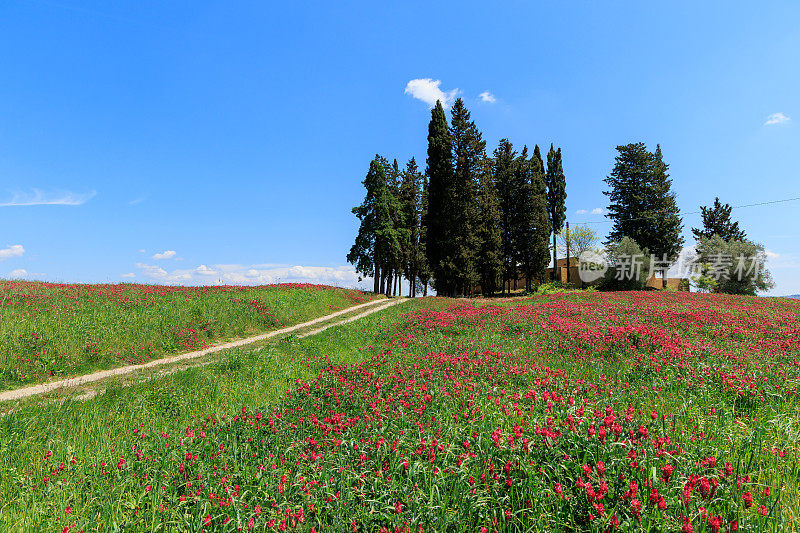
column 534, row 221
column 556, row 197
column 628, row 193
column 717, row 221
column 489, row 261
column 365, row 253
column 440, row 224
column 410, row 193
column 423, row 267
column 504, row 175
column 643, row 205
column 469, row 151
column 665, row 239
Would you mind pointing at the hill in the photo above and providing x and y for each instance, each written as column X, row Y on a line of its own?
column 50, row 330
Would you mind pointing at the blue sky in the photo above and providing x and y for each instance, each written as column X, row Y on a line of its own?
column 200, row 141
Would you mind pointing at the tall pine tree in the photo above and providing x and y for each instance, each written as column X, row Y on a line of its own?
column 717, row 221
column 643, row 205
column 368, row 253
column 488, row 231
column 468, row 153
column 628, row 182
column 410, row 201
column 536, row 248
column 504, row 181
column 441, row 214
column 665, row 239
column 556, row 197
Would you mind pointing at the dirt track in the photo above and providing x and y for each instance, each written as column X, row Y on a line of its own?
column 43, row 388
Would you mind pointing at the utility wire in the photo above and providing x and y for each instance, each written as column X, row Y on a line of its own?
column 691, row 212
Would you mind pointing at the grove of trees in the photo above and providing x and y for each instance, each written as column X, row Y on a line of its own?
column 470, row 219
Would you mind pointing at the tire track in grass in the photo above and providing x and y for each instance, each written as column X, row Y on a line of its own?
column 44, row 388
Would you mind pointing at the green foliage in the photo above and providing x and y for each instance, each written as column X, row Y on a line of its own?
column 505, row 176
column 532, row 224
column 556, row 196
column 489, row 259
column 732, row 267
column 643, row 206
column 629, row 267
column 440, row 215
column 717, row 221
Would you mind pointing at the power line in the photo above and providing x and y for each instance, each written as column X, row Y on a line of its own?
column 695, row 212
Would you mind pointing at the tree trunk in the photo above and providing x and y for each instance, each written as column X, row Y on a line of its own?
column 555, row 256
column 376, row 282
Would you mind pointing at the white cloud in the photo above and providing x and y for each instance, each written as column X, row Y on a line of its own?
column 598, row 211
column 233, row 274
column 166, row 254
column 427, row 90
column 486, row 96
column 39, row 197
column 141, row 251
column 205, row 271
column 581, row 211
column 15, row 250
column 152, row 271
column 18, row 273
column 771, row 255
column 136, row 201
column 777, row 118
column 128, row 275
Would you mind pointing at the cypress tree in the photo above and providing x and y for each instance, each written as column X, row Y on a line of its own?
column 556, row 197
column 423, row 267
column 538, row 253
column 717, row 221
column 410, row 202
column 665, row 239
column 388, row 233
column 440, row 214
column 489, row 262
column 468, row 153
column 522, row 219
column 503, row 176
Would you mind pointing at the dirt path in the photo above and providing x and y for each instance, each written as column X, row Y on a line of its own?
column 43, row 388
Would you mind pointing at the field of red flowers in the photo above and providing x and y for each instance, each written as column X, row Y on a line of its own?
column 49, row 329
column 580, row 412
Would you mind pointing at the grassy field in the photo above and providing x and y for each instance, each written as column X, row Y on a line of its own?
column 574, row 412
column 50, row 330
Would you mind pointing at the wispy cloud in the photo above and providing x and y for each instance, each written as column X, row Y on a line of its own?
column 137, row 201
column 166, row 254
column 488, row 97
column 18, row 273
column 40, row 197
column 233, row 274
column 595, row 211
column 777, row 118
column 128, row 275
column 427, row 90
column 15, row 250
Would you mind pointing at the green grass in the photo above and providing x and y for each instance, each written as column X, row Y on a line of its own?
column 49, row 330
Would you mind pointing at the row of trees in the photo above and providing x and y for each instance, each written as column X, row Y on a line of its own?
column 470, row 219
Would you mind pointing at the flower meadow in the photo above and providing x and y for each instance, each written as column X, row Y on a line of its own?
column 52, row 330
column 650, row 411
